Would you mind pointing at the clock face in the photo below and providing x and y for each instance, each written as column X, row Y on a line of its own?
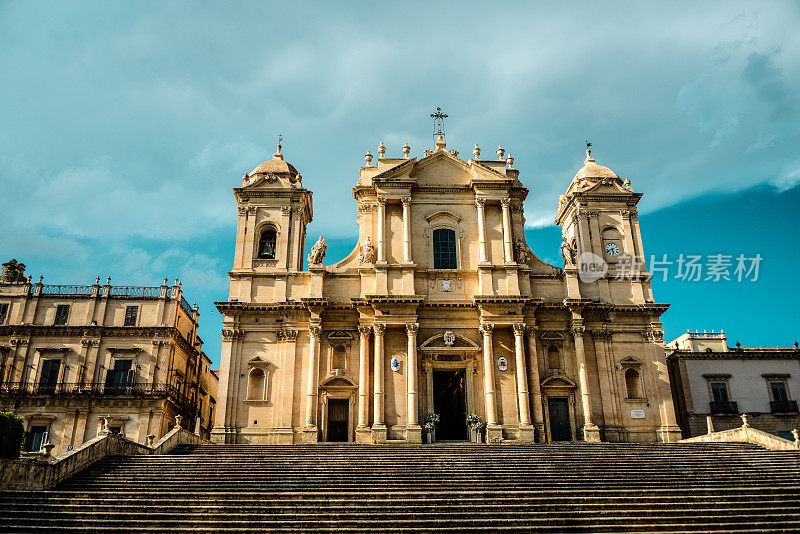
column 612, row 249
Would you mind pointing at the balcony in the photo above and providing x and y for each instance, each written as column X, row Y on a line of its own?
column 784, row 406
column 101, row 389
column 724, row 407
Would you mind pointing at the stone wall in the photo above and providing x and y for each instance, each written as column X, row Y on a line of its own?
column 40, row 475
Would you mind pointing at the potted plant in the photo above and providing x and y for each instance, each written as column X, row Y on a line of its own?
column 479, row 431
column 430, row 426
column 472, row 420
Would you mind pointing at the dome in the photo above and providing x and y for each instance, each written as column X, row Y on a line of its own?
column 276, row 165
column 593, row 171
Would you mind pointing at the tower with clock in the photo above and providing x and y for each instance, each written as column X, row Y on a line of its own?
column 600, row 228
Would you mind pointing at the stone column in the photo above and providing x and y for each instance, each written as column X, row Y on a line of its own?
column 381, row 228
column 493, row 430
column 523, row 399
column 407, row 229
column 313, row 381
column 363, row 377
column 536, row 387
column 508, row 239
column 590, row 431
column 481, row 205
column 413, row 430
column 378, row 426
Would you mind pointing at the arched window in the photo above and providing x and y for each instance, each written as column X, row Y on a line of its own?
column 553, row 359
column 444, row 249
column 266, row 244
column 633, row 384
column 255, row 388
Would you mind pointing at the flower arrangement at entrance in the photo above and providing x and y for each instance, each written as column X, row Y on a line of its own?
column 431, row 422
column 476, row 427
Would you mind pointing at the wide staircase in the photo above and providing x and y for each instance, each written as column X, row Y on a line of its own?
column 454, row 487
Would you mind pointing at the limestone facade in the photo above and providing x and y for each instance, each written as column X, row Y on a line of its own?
column 712, row 380
column 441, row 285
column 70, row 355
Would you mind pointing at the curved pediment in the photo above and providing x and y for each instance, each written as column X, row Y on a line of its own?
column 558, row 381
column 438, row 342
column 338, row 381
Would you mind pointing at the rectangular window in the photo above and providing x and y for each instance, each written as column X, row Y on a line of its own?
column 720, row 391
column 115, row 429
column 36, row 437
column 3, row 312
column 779, row 391
column 444, row 249
column 121, row 376
column 62, row 312
column 131, row 313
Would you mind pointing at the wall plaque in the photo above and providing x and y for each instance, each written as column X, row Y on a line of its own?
column 395, row 364
column 637, row 414
column 502, row 363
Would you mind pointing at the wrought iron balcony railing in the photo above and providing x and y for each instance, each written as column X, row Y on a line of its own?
column 99, row 389
column 723, row 407
column 785, row 406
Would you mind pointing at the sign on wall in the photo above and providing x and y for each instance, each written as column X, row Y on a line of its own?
column 637, row 414
column 502, row 363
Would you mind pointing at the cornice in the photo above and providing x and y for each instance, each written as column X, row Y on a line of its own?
column 746, row 354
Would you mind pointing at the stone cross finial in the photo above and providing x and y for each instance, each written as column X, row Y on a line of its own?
column 381, row 150
column 476, row 152
column 368, row 158
column 500, row 152
column 406, row 150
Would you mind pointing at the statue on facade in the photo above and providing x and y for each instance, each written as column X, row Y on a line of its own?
column 521, row 251
column 367, row 254
column 568, row 253
column 13, row 273
column 317, row 252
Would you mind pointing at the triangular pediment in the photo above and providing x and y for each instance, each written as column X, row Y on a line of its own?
column 441, row 168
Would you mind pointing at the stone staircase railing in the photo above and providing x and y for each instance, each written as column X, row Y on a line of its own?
column 47, row 473
column 747, row 434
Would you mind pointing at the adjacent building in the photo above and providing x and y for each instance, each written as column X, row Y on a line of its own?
column 711, row 379
column 71, row 355
column 441, row 307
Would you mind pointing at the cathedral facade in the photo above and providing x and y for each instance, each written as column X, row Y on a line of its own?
column 442, row 307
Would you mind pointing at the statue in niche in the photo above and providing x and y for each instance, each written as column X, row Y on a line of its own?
column 317, row 252
column 367, row 251
column 521, row 251
column 568, row 253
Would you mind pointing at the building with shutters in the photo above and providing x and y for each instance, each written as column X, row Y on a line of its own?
column 441, row 307
column 74, row 355
column 716, row 383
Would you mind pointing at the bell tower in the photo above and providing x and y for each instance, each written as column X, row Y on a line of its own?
column 274, row 210
column 602, row 244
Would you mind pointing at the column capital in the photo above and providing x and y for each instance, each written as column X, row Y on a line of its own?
column 406, row 201
column 505, row 202
column 532, row 329
column 480, row 202
column 519, row 329
column 486, row 328
column 411, row 328
column 315, row 330
column 577, row 329
column 379, row 328
column 381, row 201
column 364, row 330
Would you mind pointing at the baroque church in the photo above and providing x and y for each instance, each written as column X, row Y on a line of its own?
column 442, row 307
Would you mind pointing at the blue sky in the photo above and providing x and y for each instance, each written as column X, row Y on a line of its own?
column 124, row 126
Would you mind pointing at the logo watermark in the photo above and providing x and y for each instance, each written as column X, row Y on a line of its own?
column 684, row 267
